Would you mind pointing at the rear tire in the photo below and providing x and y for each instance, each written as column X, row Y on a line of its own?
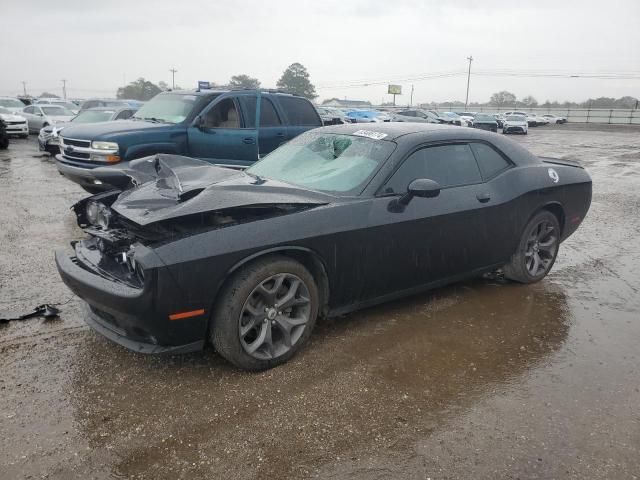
column 537, row 250
column 265, row 313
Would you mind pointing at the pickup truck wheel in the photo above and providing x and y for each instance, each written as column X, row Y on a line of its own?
column 265, row 313
column 537, row 250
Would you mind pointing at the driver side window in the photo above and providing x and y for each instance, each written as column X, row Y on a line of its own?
column 449, row 165
column 223, row 115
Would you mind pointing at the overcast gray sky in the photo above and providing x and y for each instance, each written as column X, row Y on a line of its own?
column 97, row 46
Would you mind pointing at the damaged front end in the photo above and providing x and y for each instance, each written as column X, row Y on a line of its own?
column 133, row 293
column 110, row 248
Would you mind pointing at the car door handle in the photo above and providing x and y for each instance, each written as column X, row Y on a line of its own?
column 280, row 135
column 249, row 140
column 483, row 197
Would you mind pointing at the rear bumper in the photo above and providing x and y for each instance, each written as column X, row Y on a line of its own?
column 125, row 315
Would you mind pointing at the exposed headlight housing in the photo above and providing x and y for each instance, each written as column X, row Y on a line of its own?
column 104, row 145
column 98, row 214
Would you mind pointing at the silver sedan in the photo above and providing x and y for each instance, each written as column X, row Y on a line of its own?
column 40, row 116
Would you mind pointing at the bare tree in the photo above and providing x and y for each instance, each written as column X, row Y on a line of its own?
column 500, row 99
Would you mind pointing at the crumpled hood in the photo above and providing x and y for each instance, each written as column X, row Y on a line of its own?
column 172, row 186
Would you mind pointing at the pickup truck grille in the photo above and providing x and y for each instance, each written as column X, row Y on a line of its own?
column 75, row 155
column 77, row 143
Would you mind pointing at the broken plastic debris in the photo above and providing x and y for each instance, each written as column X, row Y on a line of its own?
column 45, row 310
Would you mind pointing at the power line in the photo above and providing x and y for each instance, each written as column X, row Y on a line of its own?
column 390, row 80
column 487, row 72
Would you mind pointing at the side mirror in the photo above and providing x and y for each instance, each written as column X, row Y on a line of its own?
column 420, row 187
column 199, row 122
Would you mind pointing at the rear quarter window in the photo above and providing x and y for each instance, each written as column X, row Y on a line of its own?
column 490, row 161
column 299, row 111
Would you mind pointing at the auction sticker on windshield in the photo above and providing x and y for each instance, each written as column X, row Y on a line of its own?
column 370, row 134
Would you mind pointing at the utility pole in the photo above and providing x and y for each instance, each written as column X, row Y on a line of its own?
column 411, row 101
column 173, row 78
column 24, row 87
column 64, row 88
column 466, row 100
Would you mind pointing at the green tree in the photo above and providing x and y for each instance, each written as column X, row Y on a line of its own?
column 500, row 99
column 295, row 79
column 324, row 102
column 141, row 89
column 244, row 81
column 48, row 95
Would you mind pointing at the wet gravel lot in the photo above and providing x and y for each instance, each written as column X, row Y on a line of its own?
column 477, row 380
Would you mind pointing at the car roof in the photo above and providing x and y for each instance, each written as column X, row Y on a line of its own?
column 411, row 134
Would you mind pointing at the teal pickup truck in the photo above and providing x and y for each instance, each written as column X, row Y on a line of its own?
column 218, row 126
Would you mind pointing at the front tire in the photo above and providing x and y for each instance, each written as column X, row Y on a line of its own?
column 265, row 313
column 537, row 250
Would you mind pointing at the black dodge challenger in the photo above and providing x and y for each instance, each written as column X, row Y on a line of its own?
column 340, row 218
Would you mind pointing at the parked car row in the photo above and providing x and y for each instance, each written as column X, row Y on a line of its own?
column 21, row 119
column 486, row 121
column 333, row 116
column 509, row 122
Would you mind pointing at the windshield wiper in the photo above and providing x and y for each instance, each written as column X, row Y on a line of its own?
column 155, row 120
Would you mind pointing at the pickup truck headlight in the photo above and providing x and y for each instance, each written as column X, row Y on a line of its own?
column 104, row 145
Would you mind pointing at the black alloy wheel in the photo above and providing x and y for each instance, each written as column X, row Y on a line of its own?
column 537, row 250
column 265, row 313
column 274, row 316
